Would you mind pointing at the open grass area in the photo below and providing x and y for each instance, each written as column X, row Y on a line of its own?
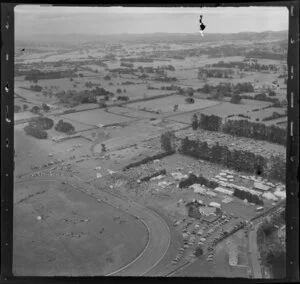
column 95, row 117
column 76, row 235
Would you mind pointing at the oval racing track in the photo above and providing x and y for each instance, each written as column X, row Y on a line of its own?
column 158, row 230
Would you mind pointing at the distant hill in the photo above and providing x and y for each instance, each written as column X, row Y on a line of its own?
column 71, row 39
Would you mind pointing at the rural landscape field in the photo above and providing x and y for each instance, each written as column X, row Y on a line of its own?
column 157, row 154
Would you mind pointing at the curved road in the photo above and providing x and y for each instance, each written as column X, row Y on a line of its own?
column 158, row 229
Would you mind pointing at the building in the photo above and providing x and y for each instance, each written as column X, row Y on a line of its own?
column 260, row 186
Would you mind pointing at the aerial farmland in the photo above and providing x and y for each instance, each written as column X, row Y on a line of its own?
column 147, row 155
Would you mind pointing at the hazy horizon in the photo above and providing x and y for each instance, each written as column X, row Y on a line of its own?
column 33, row 19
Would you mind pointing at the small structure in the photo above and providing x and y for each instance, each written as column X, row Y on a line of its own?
column 260, row 186
column 233, row 255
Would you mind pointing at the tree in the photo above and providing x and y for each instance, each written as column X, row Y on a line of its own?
column 102, row 104
column 190, row 92
column 35, row 109
column 45, row 107
column 195, row 122
column 66, row 127
column 107, row 77
column 166, row 141
column 25, row 107
column 119, row 91
column 236, row 99
column 103, row 148
column 199, row 251
column 35, row 132
column 17, row 108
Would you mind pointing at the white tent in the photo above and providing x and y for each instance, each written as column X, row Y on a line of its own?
column 210, row 193
column 280, row 193
column 215, row 204
column 178, row 176
column 270, row 196
column 198, row 188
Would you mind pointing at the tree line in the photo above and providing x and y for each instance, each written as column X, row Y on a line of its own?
column 241, row 128
column 228, row 89
column 215, row 73
column 35, row 75
column 273, row 168
column 74, row 98
column 274, row 115
column 251, row 198
column 245, row 66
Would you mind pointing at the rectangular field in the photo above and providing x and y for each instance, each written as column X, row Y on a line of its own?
column 96, row 117
column 166, row 105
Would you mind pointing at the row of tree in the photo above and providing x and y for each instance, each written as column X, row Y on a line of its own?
column 273, row 168
column 228, row 89
column 36, row 88
column 241, row 128
column 35, row 75
column 73, row 98
column 246, row 66
column 137, row 59
column 274, row 115
column 251, row 198
column 215, row 73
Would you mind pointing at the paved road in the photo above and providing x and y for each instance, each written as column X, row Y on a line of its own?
column 255, row 253
column 158, row 230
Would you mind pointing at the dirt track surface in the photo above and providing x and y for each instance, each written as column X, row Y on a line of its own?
column 158, row 231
